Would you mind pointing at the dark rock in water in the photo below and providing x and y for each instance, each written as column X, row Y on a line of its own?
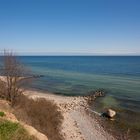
column 37, row 76
column 104, row 114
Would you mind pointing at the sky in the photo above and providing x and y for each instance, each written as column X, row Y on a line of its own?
column 70, row 27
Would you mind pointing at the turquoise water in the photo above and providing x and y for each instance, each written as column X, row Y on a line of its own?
column 118, row 76
column 77, row 75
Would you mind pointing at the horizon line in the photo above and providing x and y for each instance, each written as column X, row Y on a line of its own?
column 80, row 55
column 68, row 54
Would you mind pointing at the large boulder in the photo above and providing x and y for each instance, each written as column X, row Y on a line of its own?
column 109, row 113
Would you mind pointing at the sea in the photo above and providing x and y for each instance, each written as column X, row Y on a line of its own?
column 117, row 76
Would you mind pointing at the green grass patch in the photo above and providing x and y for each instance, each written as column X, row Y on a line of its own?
column 13, row 131
column 2, row 114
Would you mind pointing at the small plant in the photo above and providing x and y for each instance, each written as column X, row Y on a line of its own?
column 2, row 114
column 13, row 131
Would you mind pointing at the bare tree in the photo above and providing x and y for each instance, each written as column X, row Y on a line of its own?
column 14, row 77
column 2, row 89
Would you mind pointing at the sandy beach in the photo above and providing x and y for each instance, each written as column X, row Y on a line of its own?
column 77, row 123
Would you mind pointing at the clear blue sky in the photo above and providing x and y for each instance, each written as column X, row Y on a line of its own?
column 70, row 26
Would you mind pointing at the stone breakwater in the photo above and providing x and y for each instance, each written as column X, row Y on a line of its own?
column 93, row 95
column 83, row 101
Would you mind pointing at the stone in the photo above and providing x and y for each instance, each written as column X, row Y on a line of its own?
column 111, row 113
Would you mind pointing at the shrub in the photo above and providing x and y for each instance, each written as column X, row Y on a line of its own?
column 42, row 114
column 2, row 114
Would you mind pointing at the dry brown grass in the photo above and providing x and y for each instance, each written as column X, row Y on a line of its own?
column 42, row 114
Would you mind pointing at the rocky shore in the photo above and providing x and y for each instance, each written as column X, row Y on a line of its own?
column 78, row 124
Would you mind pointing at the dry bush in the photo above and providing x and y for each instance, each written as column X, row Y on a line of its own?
column 41, row 114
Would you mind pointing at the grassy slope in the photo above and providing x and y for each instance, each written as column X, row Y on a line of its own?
column 13, row 131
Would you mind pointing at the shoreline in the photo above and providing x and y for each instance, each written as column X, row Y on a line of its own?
column 77, row 123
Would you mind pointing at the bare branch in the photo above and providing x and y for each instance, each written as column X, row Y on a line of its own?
column 14, row 74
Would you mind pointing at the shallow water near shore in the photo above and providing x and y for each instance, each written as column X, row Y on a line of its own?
column 126, row 122
column 118, row 76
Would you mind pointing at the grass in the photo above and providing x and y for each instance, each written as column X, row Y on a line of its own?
column 42, row 114
column 2, row 114
column 13, row 131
